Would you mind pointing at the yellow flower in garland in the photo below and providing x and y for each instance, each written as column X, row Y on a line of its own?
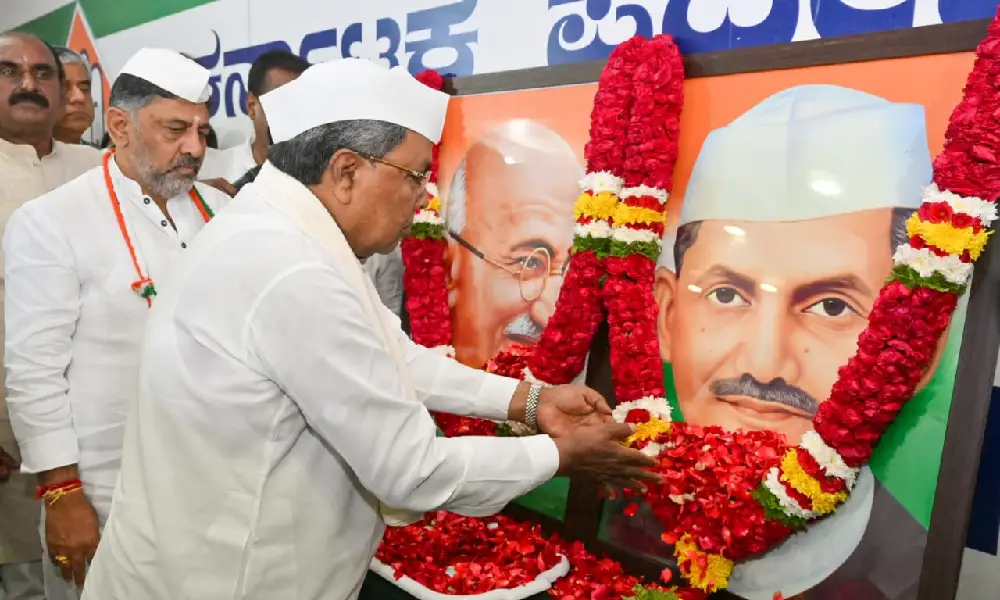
column 792, row 472
column 637, row 215
column 947, row 237
column 648, row 430
column 705, row 571
column 434, row 204
column 599, row 206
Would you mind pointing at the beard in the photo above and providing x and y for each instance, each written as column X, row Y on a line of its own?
column 169, row 183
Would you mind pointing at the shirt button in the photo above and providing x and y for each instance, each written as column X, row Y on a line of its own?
column 146, row 200
column 183, row 245
column 164, row 223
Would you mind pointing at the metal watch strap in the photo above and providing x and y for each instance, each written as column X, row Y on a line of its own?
column 531, row 407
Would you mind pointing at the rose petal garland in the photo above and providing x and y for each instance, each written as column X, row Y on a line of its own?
column 562, row 350
column 650, row 155
column 425, row 285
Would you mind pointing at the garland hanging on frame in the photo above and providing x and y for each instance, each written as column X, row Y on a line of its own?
column 711, row 517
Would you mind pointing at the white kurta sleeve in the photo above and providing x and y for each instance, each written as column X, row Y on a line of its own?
column 310, row 335
column 42, row 306
column 446, row 385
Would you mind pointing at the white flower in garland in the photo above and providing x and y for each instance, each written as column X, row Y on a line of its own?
column 595, row 229
column 630, row 236
column 652, row 449
column 644, row 190
column 432, row 190
column 789, row 505
column 828, row 458
column 428, row 216
column 926, row 263
column 601, row 181
column 985, row 211
column 657, row 408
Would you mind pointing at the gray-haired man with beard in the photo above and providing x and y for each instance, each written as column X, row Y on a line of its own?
column 82, row 263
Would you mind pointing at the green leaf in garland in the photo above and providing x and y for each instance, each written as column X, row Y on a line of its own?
column 911, row 279
column 650, row 250
column 504, row 430
column 427, row 231
column 644, row 593
column 773, row 510
column 599, row 246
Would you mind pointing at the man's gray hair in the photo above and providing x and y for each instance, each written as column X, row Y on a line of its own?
column 687, row 235
column 131, row 93
column 454, row 217
column 306, row 156
column 70, row 57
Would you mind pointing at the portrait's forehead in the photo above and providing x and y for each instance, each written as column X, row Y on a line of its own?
column 792, row 250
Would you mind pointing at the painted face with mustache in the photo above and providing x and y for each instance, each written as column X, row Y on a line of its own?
column 755, row 330
column 523, row 330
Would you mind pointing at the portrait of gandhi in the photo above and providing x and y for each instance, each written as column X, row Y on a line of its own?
column 509, row 217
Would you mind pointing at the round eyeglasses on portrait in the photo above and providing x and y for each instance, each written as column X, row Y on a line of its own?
column 532, row 271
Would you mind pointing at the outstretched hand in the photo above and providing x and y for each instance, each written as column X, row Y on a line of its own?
column 564, row 408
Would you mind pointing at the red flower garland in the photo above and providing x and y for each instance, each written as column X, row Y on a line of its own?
column 650, row 155
column 562, row 350
column 425, row 285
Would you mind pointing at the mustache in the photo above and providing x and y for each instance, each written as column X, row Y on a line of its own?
column 523, row 326
column 26, row 96
column 777, row 391
column 186, row 160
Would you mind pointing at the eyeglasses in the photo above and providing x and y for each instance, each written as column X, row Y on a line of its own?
column 419, row 178
column 532, row 274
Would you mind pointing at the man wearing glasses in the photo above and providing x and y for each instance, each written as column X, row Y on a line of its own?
column 510, row 222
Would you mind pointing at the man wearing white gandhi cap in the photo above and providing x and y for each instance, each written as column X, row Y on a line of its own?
column 787, row 231
column 80, row 266
column 281, row 410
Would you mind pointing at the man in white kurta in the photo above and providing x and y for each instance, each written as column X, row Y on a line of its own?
column 281, row 411
column 31, row 164
column 76, row 261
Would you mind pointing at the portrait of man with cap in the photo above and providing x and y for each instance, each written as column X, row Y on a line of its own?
column 82, row 266
column 282, row 415
column 787, row 231
column 509, row 215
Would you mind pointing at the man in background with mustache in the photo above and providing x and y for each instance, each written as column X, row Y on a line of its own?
column 82, row 264
column 509, row 215
column 31, row 163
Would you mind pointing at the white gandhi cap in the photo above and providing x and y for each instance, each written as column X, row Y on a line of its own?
column 351, row 89
column 810, row 152
column 172, row 72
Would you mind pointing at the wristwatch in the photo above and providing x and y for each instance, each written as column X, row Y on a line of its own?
column 531, row 407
